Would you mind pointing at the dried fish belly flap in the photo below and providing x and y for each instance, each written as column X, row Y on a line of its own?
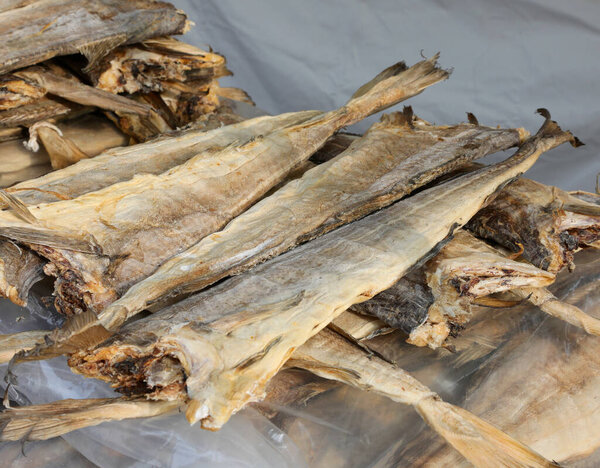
column 90, row 27
column 396, row 156
column 140, row 223
column 544, row 224
column 231, row 339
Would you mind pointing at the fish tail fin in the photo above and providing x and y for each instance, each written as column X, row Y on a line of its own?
column 395, row 84
column 478, row 441
column 548, row 303
column 550, row 128
column 41, row 422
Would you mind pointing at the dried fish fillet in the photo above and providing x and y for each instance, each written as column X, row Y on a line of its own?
column 49, row 28
column 140, row 223
column 396, row 156
column 154, row 157
column 15, row 92
column 544, row 224
column 231, row 339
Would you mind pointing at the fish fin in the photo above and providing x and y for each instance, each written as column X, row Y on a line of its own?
column 472, row 119
column 41, row 422
column 97, row 50
column 550, row 128
column 397, row 83
column 18, row 207
column 477, row 440
column 393, row 70
column 53, row 238
column 405, row 118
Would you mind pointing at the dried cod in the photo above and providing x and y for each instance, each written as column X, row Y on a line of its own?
column 396, row 156
column 223, row 345
column 326, row 354
column 125, row 222
column 49, row 28
column 121, row 164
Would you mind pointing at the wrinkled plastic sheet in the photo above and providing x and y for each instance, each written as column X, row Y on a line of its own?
column 344, row 426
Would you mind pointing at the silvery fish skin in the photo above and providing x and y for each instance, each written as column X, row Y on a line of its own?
column 396, row 156
column 544, row 224
column 92, row 28
column 227, row 342
column 122, row 233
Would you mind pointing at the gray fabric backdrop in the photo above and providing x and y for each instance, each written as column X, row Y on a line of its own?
column 509, row 58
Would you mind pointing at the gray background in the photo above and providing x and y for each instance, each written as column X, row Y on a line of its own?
column 509, row 58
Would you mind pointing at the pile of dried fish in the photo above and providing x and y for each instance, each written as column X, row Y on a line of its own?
column 198, row 269
column 129, row 70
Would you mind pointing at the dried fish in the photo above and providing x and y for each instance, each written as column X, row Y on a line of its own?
column 127, row 221
column 544, row 224
column 396, row 156
column 41, row 422
column 122, row 164
column 223, row 345
column 330, row 356
column 326, row 354
column 554, row 409
column 37, row 32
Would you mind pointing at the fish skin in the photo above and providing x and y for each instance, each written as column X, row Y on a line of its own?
column 140, row 223
column 544, row 224
column 49, row 28
column 233, row 338
column 396, row 156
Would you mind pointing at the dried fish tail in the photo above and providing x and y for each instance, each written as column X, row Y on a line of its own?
column 548, row 303
column 41, row 422
column 329, row 355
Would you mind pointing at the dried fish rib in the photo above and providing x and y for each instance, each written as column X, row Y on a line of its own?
column 326, row 354
column 187, row 203
column 396, row 156
column 48, row 28
column 231, row 339
column 544, row 224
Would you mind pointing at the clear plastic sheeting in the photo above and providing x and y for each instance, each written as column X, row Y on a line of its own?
column 532, row 375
